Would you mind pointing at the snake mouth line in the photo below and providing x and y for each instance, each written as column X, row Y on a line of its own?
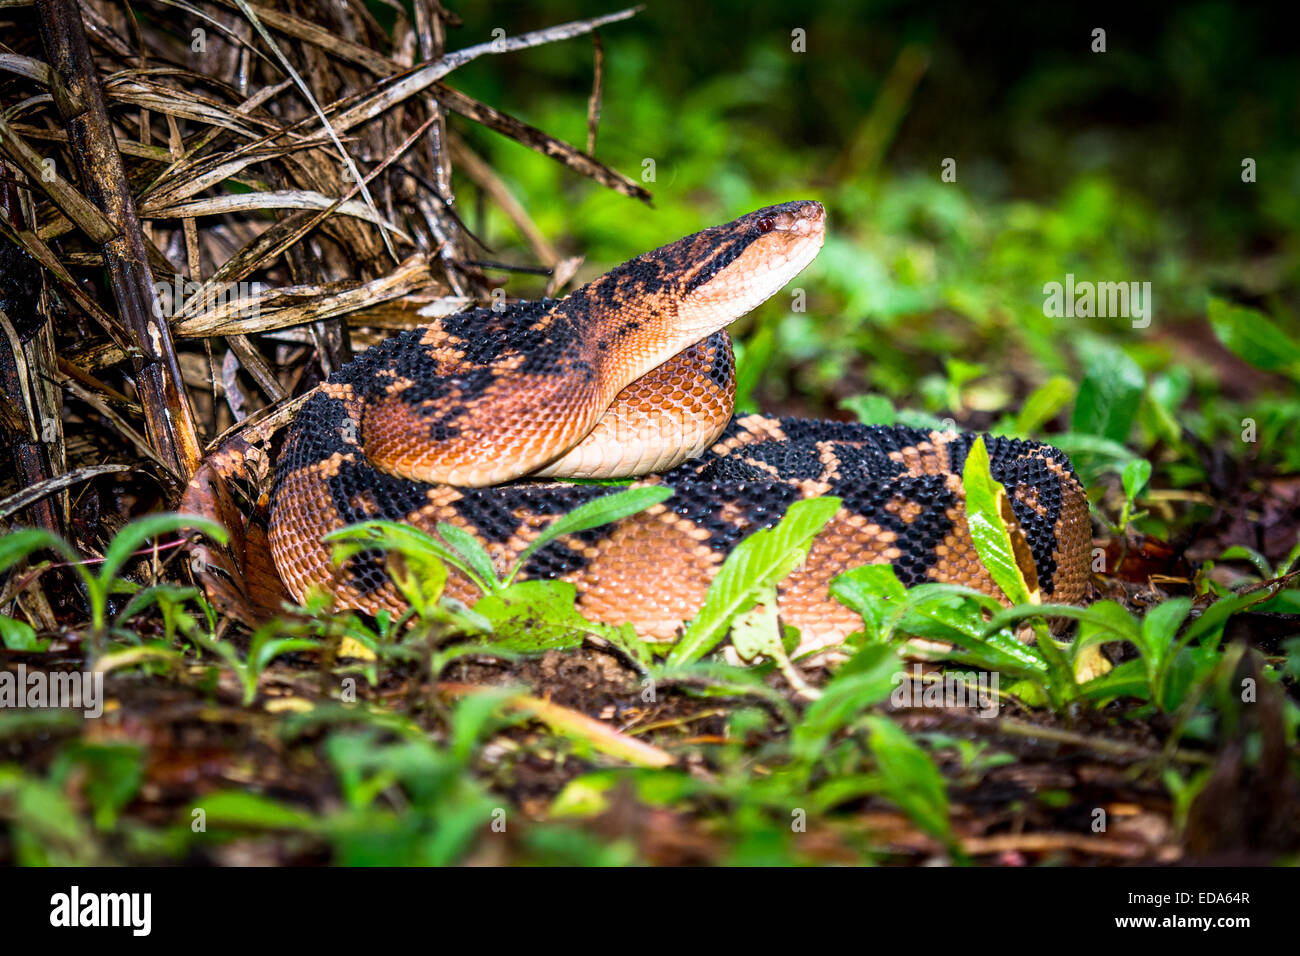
column 807, row 218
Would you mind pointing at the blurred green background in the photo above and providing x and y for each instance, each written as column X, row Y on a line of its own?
column 928, row 297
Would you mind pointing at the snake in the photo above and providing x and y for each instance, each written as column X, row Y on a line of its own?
column 501, row 419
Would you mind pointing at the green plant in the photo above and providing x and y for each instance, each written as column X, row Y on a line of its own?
column 20, row 545
column 750, row 573
column 406, row 800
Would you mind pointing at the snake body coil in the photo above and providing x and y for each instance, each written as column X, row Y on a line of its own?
column 464, row 421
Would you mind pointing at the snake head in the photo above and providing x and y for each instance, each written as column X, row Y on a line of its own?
column 731, row 269
column 685, row 291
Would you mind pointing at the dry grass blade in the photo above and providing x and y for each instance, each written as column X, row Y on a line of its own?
column 75, row 206
column 32, row 427
column 279, row 199
column 478, row 170
column 42, row 253
column 421, row 78
column 535, row 139
column 123, row 427
column 306, row 92
column 282, row 196
column 26, row 66
column 280, row 308
column 586, row 164
column 34, row 493
column 597, row 82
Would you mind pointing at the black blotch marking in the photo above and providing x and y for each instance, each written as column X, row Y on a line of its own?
column 722, row 370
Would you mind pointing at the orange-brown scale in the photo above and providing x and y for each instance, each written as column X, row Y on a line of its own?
column 653, row 569
column 667, row 416
column 491, row 395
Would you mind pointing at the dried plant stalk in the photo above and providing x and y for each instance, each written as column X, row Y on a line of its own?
column 168, row 416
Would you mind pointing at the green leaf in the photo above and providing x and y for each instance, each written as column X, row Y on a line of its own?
column 468, row 547
column 1110, row 453
column 533, row 616
column 19, row 636
column 871, row 409
column 992, row 526
column 417, row 547
column 1135, row 476
column 1242, row 553
column 593, row 514
column 1160, row 626
column 911, row 778
column 1107, row 615
column 1128, row 679
column 421, row 577
column 17, row 545
column 113, row 773
column 760, row 561
column 237, row 808
column 757, row 632
column 1255, row 337
column 874, row 591
column 959, row 620
column 1208, row 628
column 868, row 678
column 1109, row 394
column 1043, row 404
column 133, row 537
column 262, row 653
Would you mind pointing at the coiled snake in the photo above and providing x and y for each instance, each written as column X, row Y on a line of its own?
column 471, row 419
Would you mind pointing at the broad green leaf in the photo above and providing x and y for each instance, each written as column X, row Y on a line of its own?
column 1043, row 404
column 469, row 548
column 19, row 636
column 874, row 591
column 1128, row 679
column 1160, row 627
column 961, row 622
column 1106, row 615
column 1110, row 453
column 1255, row 337
column 1135, row 476
column 533, row 616
column 238, row 808
column 760, row 561
column 871, row 409
column 994, row 529
column 1109, row 394
column 910, row 777
column 757, row 632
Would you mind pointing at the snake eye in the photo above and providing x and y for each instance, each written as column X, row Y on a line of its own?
column 766, row 224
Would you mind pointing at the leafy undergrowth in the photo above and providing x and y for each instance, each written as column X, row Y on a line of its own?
column 950, row 727
column 1156, row 724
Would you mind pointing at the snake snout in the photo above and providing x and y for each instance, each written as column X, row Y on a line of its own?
column 801, row 218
